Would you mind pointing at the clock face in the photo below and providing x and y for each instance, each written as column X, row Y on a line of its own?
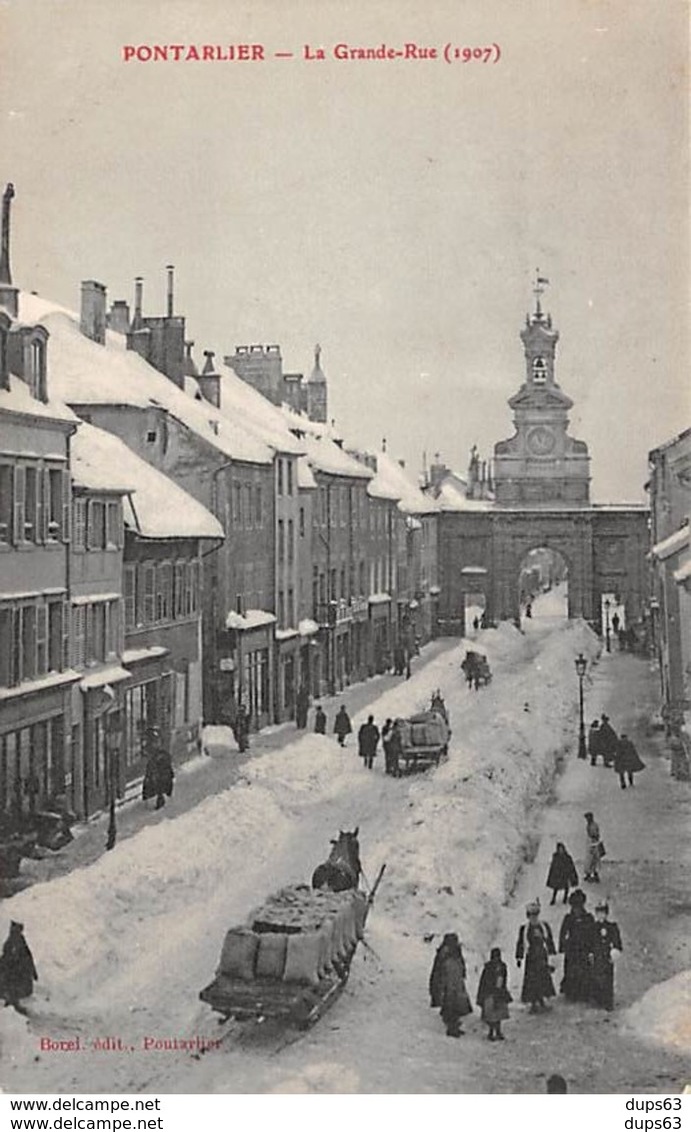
column 541, row 441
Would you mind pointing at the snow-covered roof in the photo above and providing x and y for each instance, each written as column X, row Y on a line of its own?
column 18, row 399
column 241, row 401
column 393, row 482
column 307, row 627
column 684, row 572
column 326, row 456
column 673, row 543
column 305, row 478
column 252, row 619
column 154, row 507
column 83, row 372
column 453, row 498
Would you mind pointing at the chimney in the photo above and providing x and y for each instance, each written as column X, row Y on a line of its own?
column 209, row 381
column 9, row 295
column 171, row 277
column 118, row 318
column 92, row 321
column 138, row 294
column 190, row 368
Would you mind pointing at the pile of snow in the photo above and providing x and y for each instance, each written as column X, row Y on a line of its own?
column 663, row 1014
column 139, row 930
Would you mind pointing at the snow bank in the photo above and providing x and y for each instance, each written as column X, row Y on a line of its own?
column 663, row 1014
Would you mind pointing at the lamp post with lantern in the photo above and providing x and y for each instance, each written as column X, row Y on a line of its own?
column 607, row 623
column 581, row 666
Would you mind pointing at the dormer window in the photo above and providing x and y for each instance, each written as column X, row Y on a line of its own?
column 539, row 371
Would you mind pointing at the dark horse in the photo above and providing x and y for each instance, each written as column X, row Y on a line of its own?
column 342, row 870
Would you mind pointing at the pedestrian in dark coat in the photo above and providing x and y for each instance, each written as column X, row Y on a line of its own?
column 576, row 943
column 386, row 744
column 608, row 740
column 395, row 750
column 447, row 987
column 607, row 939
column 342, row 725
column 241, row 729
column 165, row 776
column 302, row 704
column 562, row 873
column 493, row 995
column 320, row 721
column 536, row 944
column 594, row 745
column 17, row 968
column 368, row 738
column 627, row 761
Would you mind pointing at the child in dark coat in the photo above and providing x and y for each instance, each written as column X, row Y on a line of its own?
column 493, row 995
column 17, row 968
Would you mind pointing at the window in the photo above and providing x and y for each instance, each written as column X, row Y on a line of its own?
column 114, row 621
column 194, row 587
column 36, row 363
column 279, row 476
column 79, row 524
column 130, row 587
column 55, row 636
column 113, row 528
column 291, row 542
column 19, row 486
column 31, row 504
column 248, row 507
column 79, row 636
column 95, row 632
column 54, row 488
column 6, row 501
column 97, row 525
column 149, row 594
column 315, row 588
column 281, row 608
column 151, row 436
column 258, row 505
column 291, row 606
column 281, row 542
column 28, row 642
column 289, row 477
column 179, row 589
column 343, row 582
column 164, row 592
column 302, row 522
column 237, row 504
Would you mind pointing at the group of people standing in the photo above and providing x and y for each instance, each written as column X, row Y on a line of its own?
column 616, row 751
column 447, row 989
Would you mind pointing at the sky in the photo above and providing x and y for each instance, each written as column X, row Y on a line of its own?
column 394, row 211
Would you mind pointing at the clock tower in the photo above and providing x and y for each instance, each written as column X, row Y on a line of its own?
column 541, row 465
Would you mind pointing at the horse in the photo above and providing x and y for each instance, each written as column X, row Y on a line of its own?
column 343, row 868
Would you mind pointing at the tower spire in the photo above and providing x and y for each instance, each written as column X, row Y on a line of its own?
column 538, row 290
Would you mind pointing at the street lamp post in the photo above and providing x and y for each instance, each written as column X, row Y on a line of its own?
column 607, row 636
column 581, row 665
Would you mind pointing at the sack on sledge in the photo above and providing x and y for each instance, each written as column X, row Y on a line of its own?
column 239, row 954
column 271, row 955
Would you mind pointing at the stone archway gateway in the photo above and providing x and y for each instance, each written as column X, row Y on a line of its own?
column 541, row 498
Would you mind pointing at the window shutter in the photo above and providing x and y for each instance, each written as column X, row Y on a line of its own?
column 19, row 497
column 41, row 639
column 78, row 620
column 66, row 504
column 42, row 504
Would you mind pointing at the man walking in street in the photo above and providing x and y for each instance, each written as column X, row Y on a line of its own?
column 627, row 761
column 319, row 721
column 594, row 742
column 368, row 738
column 608, row 740
column 342, row 725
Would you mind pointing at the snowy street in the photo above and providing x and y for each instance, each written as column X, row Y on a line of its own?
column 466, row 846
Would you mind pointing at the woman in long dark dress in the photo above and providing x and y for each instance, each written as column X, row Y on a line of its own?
column 447, row 987
column 607, row 939
column 493, row 995
column 535, row 945
column 562, row 873
column 576, row 943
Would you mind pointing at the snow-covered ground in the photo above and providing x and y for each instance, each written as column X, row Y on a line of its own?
column 124, row 945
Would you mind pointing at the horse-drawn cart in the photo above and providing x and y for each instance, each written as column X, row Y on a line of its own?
column 292, row 959
column 476, row 669
column 423, row 739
